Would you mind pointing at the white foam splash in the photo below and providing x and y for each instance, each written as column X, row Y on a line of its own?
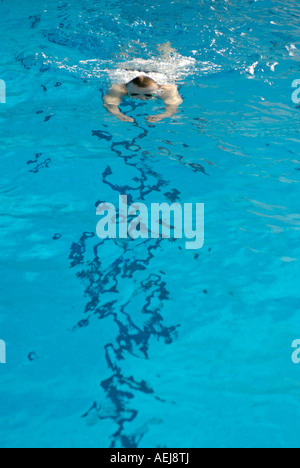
column 161, row 70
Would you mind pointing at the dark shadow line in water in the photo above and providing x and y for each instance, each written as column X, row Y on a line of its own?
column 131, row 338
column 103, row 284
column 35, row 20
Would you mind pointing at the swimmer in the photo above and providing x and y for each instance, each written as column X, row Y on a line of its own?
column 143, row 88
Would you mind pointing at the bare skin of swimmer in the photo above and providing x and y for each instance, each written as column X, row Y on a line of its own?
column 143, row 88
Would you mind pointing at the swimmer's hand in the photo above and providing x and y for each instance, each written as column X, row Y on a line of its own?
column 125, row 118
column 169, row 112
column 156, row 118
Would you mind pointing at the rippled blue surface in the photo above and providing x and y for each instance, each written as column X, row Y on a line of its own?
column 131, row 344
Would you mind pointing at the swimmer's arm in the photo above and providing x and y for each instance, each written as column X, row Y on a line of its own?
column 172, row 100
column 113, row 99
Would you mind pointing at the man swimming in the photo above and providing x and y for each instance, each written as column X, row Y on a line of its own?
column 143, row 88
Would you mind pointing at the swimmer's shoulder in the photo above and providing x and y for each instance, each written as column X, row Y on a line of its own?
column 169, row 88
column 115, row 95
column 170, row 94
column 119, row 90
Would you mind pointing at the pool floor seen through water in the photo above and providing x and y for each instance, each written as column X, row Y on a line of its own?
column 142, row 343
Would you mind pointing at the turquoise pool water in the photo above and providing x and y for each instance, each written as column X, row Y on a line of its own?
column 123, row 343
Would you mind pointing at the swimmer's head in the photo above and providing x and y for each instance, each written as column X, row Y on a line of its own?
column 142, row 88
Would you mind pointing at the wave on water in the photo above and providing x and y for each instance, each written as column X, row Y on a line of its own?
column 161, row 70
